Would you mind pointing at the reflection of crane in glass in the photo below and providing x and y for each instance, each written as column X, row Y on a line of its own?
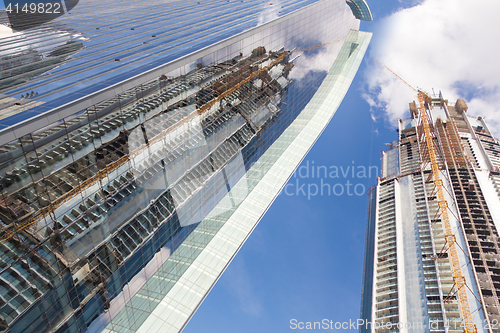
column 24, row 219
column 254, row 75
column 450, row 239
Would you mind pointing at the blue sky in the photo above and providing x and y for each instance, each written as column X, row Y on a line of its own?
column 438, row 45
column 304, row 260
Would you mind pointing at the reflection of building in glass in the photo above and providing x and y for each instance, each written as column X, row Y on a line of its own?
column 129, row 190
column 408, row 277
column 24, row 56
column 18, row 68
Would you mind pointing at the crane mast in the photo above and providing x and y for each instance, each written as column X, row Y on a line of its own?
column 458, row 278
column 450, row 239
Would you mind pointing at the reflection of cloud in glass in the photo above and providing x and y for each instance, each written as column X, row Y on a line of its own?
column 41, row 42
column 271, row 11
column 5, row 32
column 27, row 55
column 315, row 61
column 319, row 59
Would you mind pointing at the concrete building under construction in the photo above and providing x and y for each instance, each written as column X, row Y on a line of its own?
column 142, row 141
column 409, row 284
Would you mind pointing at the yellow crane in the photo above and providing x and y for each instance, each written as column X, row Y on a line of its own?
column 450, row 239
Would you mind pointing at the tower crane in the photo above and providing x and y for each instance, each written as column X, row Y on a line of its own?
column 450, row 239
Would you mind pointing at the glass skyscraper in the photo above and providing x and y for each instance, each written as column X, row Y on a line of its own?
column 409, row 284
column 141, row 143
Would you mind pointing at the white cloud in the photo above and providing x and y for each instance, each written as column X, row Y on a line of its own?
column 241, row 288
column 448, row 45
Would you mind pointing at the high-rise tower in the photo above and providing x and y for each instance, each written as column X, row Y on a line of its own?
column 141, row 143
column 407, row 277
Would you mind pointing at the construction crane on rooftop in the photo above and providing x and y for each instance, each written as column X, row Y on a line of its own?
column 450, row 239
